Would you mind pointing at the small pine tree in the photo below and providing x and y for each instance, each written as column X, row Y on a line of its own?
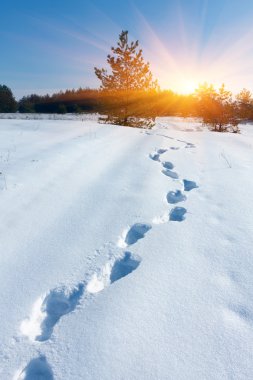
column 129, row 74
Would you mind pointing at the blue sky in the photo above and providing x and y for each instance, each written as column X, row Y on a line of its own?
column 51, row 45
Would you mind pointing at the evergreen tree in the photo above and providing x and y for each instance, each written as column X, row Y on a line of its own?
column 245, row 104
column 129, row 71
column 217, row 108
column 7, row 100
column 129, row 74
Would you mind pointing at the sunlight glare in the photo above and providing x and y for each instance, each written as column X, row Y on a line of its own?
column 186, row 86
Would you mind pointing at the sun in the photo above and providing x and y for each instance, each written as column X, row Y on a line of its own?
column 180, row 83
column 186, row 86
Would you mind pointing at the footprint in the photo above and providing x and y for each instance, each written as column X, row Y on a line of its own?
column 189, row 185
column 113, row 272
column 177, row 214
column 36, row 369
column 124, row 266
column 238, row 316
column 175, row 197
column 161, row 151
column 170, row 174
column 47, row 312
column 135, row 233
column 168, row 165
column 190, row 145
column 243, row 312
column 174, row 147
column 154, row 156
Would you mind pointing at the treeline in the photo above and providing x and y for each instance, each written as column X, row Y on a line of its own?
column 162, row 103
column 70, row 101
column 149, row 103
column 218, row 108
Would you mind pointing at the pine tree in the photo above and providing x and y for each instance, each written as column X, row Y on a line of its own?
column 129, row 70
column 129, row 74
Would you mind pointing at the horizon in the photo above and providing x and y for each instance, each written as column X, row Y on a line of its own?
column 52, row 47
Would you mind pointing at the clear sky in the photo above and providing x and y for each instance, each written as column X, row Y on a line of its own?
column 54, row 44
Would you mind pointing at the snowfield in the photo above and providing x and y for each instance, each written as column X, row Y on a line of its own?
column 126, row 254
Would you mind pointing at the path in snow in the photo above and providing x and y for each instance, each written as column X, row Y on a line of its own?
column 48, row 310
column 177, row 214
column 60, row 301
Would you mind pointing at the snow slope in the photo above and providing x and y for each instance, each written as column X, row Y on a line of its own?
column 125, row 254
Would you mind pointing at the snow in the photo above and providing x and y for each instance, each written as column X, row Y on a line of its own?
column 125, row 253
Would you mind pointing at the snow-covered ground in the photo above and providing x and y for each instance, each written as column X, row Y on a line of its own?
column 125, row 254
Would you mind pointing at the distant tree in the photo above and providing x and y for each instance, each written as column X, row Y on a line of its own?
column 245, row 104
column 27, row 103
column 217, row 108
column 73, row 108
column 25, row 107
column 61, row 109
column 129, row 73
column 7, row 100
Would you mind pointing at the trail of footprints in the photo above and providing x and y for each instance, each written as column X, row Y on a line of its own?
column 51, row 307
column 48, row 309
column 176, row 214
